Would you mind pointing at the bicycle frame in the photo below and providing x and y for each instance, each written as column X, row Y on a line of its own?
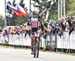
column 36, row 45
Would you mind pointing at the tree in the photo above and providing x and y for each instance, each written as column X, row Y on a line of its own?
column 21, row 20
column 1, row 21
column 47, row 4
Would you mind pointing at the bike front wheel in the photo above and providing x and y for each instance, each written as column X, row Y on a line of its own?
column 36, row 50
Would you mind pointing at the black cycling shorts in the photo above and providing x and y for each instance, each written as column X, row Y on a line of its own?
column 34, row 29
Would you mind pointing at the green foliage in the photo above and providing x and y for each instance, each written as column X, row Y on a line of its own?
column 53, row 12
column 70, row 8
column 21, row 20
column 16, row 20
column 1, row 21
column 1, row 24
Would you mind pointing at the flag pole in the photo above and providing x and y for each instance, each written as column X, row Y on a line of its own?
column 5, row 22
column 30, row 10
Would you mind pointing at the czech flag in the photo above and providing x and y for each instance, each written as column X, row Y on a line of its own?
column 18, row 10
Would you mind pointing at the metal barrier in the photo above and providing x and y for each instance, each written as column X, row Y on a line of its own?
column 15, row 39
column 66, row 41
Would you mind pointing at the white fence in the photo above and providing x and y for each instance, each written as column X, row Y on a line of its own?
column 16, row 39
column 66, row 41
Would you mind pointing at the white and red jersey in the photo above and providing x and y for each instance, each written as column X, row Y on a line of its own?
column 34, row 22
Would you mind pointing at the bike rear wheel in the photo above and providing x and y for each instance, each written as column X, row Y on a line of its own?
column 36, row 49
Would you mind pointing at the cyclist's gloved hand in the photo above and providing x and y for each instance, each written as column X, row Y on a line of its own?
column 48, row 4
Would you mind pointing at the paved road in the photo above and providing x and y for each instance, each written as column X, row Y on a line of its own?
column 11, row 54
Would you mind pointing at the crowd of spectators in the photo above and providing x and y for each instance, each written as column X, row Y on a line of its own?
column 60, row 26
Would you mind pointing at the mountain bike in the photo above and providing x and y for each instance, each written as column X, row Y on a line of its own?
column 36, row 45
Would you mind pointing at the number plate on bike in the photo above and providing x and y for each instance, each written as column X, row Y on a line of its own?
column 36, row 35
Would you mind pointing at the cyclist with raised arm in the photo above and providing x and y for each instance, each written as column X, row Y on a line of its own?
column 34, row 27
column 35, row 19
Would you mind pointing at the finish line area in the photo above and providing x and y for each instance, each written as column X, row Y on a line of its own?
column 10, row 54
